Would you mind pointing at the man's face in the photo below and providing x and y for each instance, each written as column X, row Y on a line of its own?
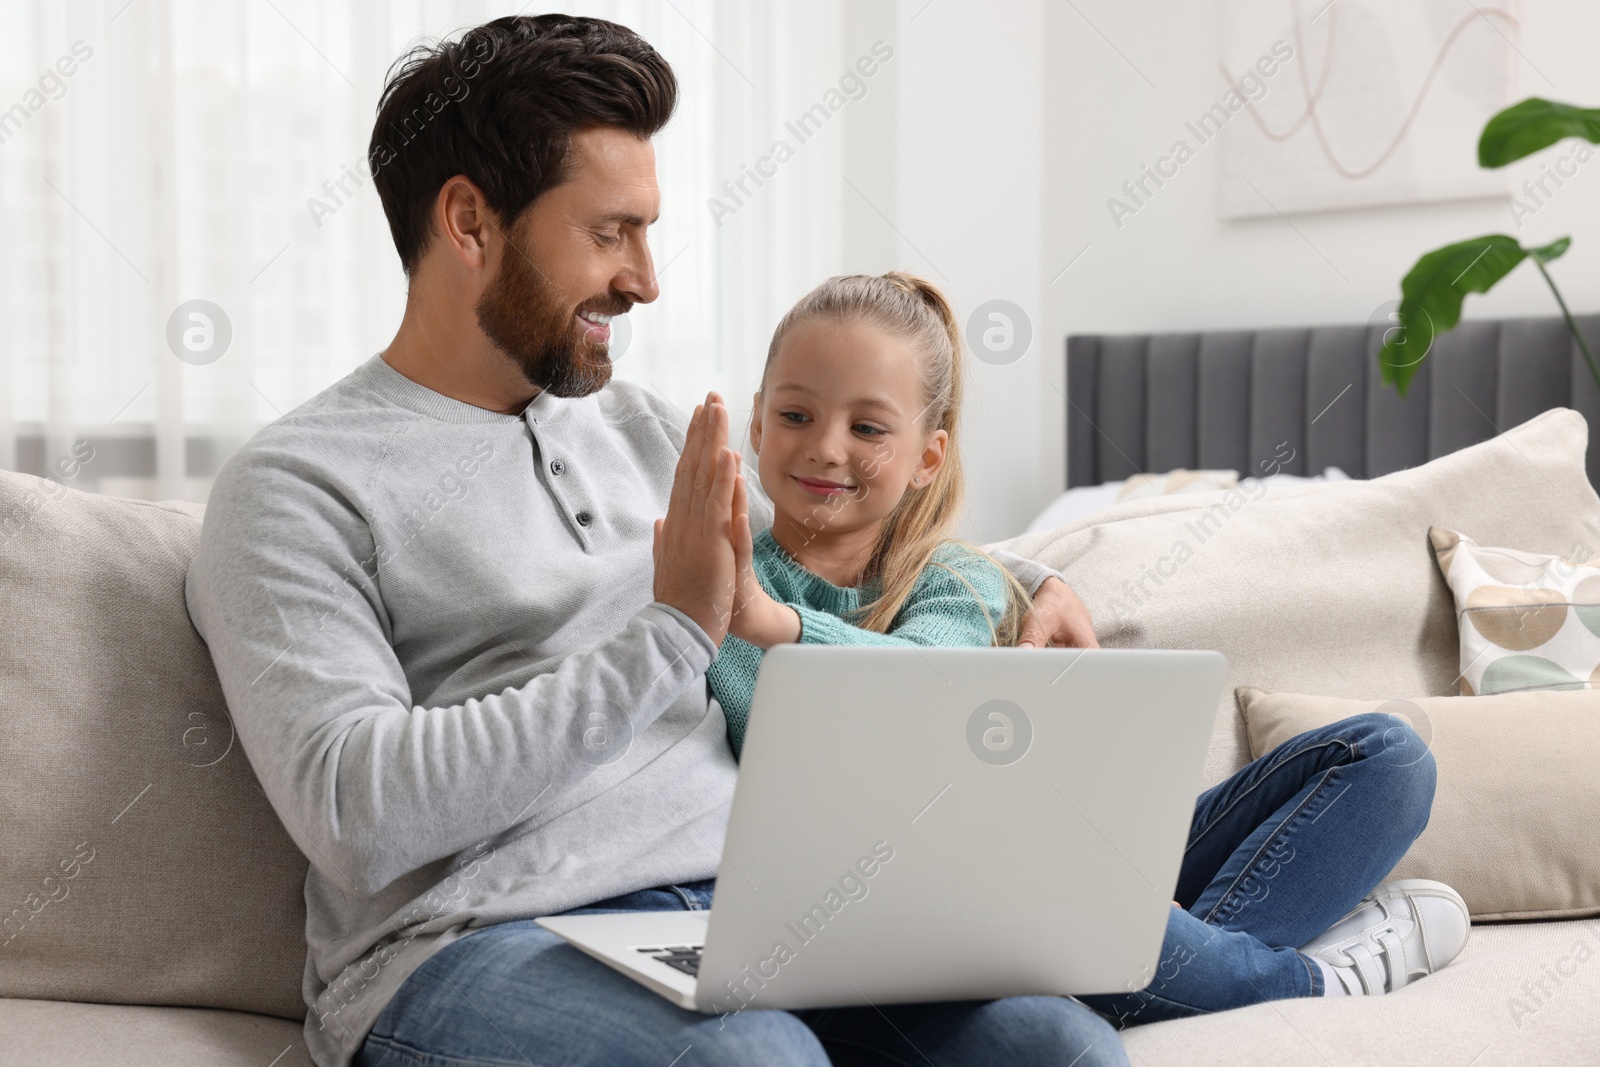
column 576, row 257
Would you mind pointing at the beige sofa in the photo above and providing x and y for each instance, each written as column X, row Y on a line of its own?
column 154, row 911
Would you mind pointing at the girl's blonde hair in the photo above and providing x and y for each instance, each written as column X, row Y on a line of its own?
column 914, row 310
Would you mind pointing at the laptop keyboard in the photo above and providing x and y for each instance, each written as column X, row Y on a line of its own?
column 685, row 958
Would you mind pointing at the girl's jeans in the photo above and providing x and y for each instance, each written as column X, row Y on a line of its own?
column 1277, row 854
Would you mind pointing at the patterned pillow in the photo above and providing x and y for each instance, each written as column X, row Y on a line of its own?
column 1527, row 621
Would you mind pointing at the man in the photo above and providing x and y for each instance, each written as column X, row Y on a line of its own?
column 466, row 686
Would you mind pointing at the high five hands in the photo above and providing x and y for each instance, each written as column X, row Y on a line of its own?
column 704, row 549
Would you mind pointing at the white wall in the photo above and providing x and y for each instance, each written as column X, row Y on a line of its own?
column 958, row 172
column 1016, row 119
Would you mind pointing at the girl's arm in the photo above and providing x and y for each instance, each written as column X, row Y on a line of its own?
column 941, row 612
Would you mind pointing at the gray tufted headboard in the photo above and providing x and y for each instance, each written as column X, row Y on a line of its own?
column 1156, row 402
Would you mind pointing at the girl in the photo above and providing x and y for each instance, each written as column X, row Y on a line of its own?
column 855, row 433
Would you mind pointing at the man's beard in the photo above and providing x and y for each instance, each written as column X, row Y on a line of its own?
column 526, row 318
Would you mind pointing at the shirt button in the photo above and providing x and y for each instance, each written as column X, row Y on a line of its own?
column 557, row 467
column 584, row 518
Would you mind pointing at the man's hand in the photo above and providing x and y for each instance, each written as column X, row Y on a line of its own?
column 1058, row 619
column 695, row 568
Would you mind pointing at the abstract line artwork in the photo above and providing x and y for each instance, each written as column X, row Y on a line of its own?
column 1381, row 103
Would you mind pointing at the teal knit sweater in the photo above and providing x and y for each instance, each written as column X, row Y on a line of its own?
column 941, row 611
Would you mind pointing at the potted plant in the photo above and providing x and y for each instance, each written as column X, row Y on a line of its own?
column 1432, row 292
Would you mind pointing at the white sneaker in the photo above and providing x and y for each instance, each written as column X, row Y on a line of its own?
column 1400, row 931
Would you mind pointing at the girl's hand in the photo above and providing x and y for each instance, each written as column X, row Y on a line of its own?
column 757, row 618
column 747, row 587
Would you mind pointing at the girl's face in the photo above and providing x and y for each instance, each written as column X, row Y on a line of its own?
column 838, row 426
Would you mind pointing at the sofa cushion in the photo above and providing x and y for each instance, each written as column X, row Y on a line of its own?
column 50, row 1033
column 1327, row 588
column 1507, row 858
column 141, row 862
column 1519, row 994
column 1527, row 620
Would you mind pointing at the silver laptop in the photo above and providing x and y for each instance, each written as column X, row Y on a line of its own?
column 939, row 824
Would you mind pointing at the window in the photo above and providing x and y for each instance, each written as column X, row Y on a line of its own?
column 214, row 150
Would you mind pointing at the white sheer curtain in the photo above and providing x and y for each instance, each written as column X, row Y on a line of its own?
column 157, row 152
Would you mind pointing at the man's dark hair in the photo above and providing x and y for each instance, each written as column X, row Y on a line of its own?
column 500, row 105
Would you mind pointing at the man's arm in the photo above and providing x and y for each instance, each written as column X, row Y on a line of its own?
column 1030, row 574
column 369, row 784
column 1058, row 617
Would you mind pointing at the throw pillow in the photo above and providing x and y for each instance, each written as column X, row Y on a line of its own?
column 1527, row 620
column 141, row 864
column 1513, row 826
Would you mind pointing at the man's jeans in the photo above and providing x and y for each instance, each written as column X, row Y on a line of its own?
column 1277, row 854
column 517, row 994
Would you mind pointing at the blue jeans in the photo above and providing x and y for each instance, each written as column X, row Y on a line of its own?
column 516, row 994
column 1277, row 854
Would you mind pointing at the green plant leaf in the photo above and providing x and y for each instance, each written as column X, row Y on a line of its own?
column 1523, row 129
column 1432, row 293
